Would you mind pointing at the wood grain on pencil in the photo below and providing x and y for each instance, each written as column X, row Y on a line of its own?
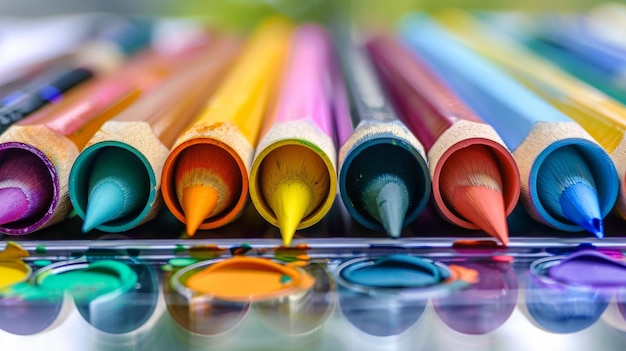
column 145, row 132
column 529, row 125
column 601, row 116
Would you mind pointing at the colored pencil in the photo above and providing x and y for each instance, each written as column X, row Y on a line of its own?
column 49, row 141
column 574, row 65
column 532, row 129
column 475, row 178
column 140, row 139
column 381, row 157
column 95, row 58
column 573, row 33
column 598, row 114
column 47, row 90
column 293, row 177
column 213, row 156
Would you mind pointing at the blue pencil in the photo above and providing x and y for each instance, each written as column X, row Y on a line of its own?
column 568, row 180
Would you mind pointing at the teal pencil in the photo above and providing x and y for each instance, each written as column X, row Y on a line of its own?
column 114, row 182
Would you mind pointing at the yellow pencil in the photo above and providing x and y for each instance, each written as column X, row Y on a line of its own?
column 293, row 179
column 601, row 116
column 205, row 177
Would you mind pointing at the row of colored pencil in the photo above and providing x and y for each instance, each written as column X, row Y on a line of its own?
column 445, row 110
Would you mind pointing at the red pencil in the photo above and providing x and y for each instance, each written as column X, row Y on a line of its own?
column 475, row 178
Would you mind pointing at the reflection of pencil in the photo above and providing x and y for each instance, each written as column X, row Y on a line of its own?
column 381, row 158
column 601, row 116
column 210, row 161
column 475, row 179
column 39, row 151
column 293, row 175
column 127, row 154
column 532, row 129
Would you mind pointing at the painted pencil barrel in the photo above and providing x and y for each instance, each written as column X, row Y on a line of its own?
column 50, row 151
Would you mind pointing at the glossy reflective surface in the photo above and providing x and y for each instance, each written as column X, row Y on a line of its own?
column 507, row 308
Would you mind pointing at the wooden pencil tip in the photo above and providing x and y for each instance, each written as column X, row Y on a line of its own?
column 106, row 203
column 387, row 202
column 485, row 208
column 14, row 205
column 290, row 203
column 198, row 203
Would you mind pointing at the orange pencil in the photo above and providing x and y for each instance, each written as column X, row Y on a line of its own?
column 205, row 178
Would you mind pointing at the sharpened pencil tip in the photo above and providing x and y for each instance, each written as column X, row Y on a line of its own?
column 471, row 185
column 579, row 203
column 567, row 189
column 14, row 205
column 118, row 187
column 290, row 203
column 198, row 203
column 485, row 208
column 106, row 203
column 388, row 204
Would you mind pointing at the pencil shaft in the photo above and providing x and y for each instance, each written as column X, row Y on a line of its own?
column 428, row 106
column 573, row 33
column 47, row 91
column 500, row 94
column 436, row 115
column 601, row 116
column 381, row 156
column 242, row 97
column 304, row 94
column 170, row 108
column 230, row 121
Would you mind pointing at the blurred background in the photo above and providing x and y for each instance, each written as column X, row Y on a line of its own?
column 241, row 12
